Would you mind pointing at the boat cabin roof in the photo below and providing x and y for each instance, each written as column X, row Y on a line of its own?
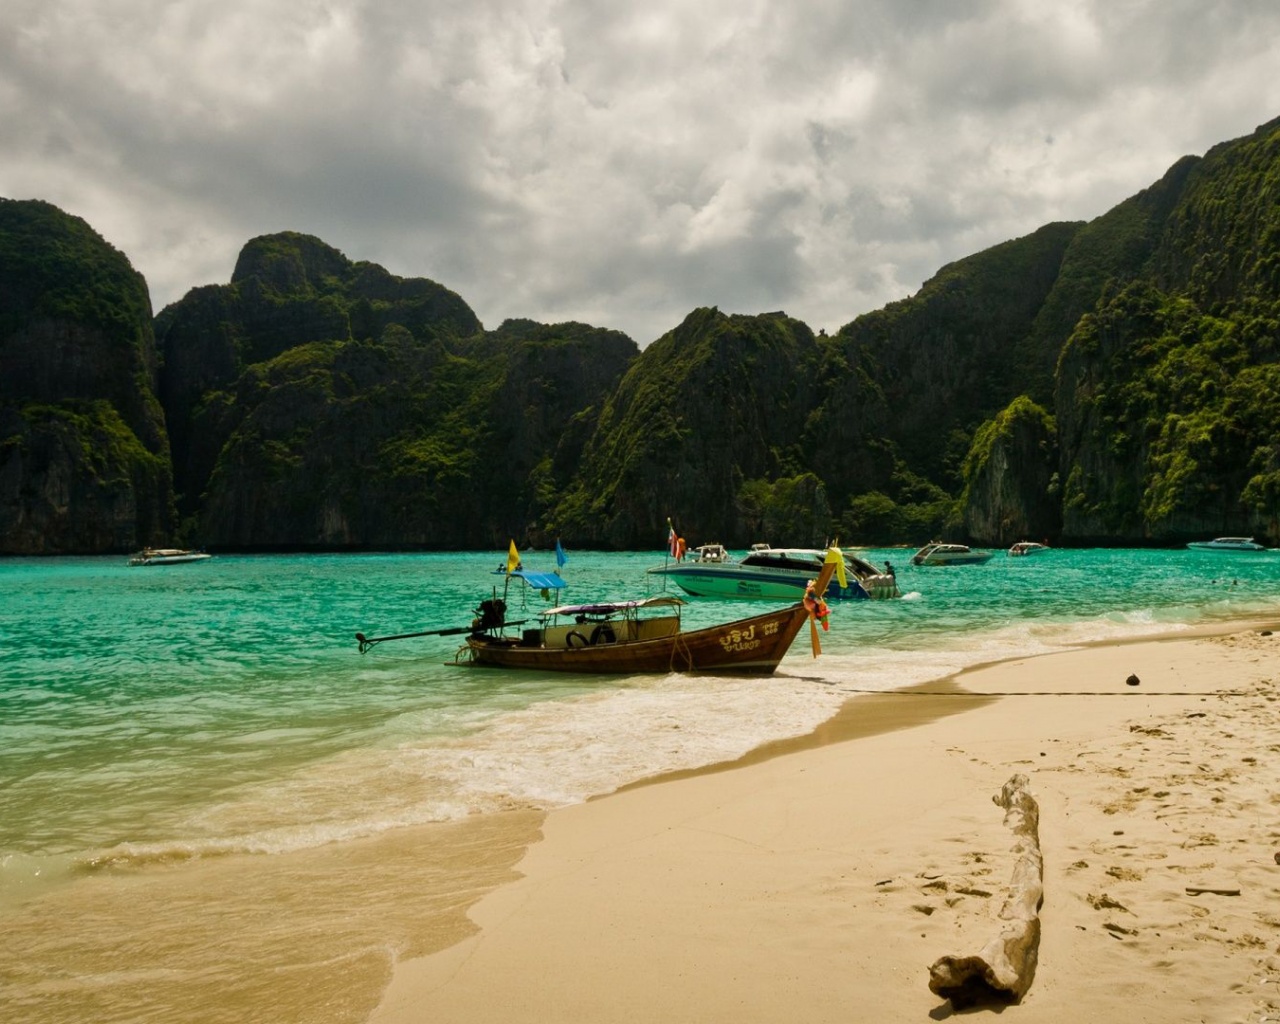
column 806, row 558
column 710, row 553
column 537, row 580
column 613, row 607
column 785, row 558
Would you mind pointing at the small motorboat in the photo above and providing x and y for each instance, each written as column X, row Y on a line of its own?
column 1027, row 547
column 167, row 556
column 1228, row 544
column 939, row 553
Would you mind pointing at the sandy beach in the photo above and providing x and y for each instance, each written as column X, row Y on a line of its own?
column 818, row 880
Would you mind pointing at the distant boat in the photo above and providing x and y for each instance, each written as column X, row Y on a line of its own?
column 770, row 573
column 1229, row 544
column 1027, row 547
column 939, row 553
column 167, row 556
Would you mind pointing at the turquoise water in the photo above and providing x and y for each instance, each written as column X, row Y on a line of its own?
column 209, row 797
column 223, row 704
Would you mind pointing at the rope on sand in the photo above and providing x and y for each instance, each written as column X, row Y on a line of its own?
column 1043, row 693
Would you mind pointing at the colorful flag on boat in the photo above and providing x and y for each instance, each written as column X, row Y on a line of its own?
column 561, row 557
column 834, row 554
column 673, row 541
column 513, row 558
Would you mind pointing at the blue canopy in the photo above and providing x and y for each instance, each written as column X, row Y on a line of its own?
column 537, row 580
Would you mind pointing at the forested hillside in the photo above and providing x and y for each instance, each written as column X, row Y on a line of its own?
column 84, row 457
column 1108, row 382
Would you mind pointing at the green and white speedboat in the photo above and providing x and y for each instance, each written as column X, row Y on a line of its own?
column 769, row 573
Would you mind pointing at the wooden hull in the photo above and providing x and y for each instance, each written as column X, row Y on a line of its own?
column 751, row 646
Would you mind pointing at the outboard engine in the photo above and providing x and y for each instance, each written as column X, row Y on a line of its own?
column 492, row 614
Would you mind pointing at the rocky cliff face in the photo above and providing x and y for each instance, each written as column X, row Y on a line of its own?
column 391, row 443
column 288, row 290
column 84, row 456
column 1166, row 399
column 924, row 373
column 1011, row 486
column 718, row 402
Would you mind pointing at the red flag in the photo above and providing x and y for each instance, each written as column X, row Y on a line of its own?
column 673, row 542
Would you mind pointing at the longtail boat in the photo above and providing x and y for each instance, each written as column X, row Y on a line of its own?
column 645, row 635
column 629, row 637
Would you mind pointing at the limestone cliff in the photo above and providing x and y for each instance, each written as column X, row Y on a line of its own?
column 1011, row 484
column 905, row 388
column 1168, row 391
column 711, row 406
column 390, row 443
column 288, row 290
column 84, row 456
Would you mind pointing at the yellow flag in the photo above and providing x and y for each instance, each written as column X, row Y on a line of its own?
column 513, row 558
column 834, row 554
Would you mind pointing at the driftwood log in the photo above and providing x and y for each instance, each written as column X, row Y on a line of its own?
column 1002, row 970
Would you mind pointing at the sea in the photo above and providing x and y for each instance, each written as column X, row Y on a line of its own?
column 214, row 807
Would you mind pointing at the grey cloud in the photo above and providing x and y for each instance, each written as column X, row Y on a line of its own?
column 620, row 164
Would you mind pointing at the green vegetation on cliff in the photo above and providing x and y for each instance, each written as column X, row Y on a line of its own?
column 1173, row 416
column 84, row 457
column 316, row 402
column 719, row 401
column 1114, row 382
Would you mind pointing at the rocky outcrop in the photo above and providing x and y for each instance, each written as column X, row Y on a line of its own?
column 288, row 291
column 1167, row 399
column 717, row 402
column 84, row 455
column 392, row 443
column 909, row 384
column 1011, row 489
column 314, row 401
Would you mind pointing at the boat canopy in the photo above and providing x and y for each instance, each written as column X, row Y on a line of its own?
column 537, row 580
column 612, row 607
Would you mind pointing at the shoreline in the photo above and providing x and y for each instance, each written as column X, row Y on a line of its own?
column 818, row 877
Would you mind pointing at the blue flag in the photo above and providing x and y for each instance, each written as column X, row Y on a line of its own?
column 561, row 557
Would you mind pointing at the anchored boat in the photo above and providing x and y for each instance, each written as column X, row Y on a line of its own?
column 939, row 553
column 167, row 556
column 628, row 637
column 1228, row 544
column 779, row 574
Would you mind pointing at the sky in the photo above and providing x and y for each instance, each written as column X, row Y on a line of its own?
column 618, row 164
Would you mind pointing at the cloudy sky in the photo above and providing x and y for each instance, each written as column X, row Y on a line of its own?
column 616, row 163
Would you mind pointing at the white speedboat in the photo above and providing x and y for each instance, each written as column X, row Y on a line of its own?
column 1027, row 547
column 1227, row 544
column 167, row 556
column 773, row 574
column 938, row 553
